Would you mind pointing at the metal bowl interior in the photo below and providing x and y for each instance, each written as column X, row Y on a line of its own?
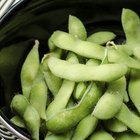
column 45, row 17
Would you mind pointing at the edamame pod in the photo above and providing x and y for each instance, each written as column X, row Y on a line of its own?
column 51, row 45
column 118, row 56
column 60, row 103
column 76, row 28
column 134, row 88
column 111, row 101
column 101, row 135
column 101, row 37
column 19, row 104
column 29, row 70
column 85, row 127
column 114, row 125
column 93, row 62
column 65, row 136
column 67, row 119
column 126, row 97
column 131, row 26
column 53, row 82
column 18, row 121
column 131, row 120
column 136, row 52
column 32, row 121
column 68, row 42
column 65, row 91
column 79, row 90
column 38, row 98
column 81, row 72
column 127, row 136
column 71, row 103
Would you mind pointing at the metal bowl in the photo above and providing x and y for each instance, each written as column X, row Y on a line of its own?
column 50, row 15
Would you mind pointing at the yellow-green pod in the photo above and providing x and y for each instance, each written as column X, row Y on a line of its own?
column 126, row 97
column 111, row 101
column 53, row 82
column 79, row 90
column 85, row 127
column 77, row 28
column 81, row 72
column 131, row 25
column 136, row 52
column 114, row 125
column 101, row 37
column 101, row 135
column 18, row 121
column 130, row 119
column 29, row 70
column 19, row 104
column 52, row 136
column 38, row 97
column 134, row 88
column 127, row 136
column 32, row 121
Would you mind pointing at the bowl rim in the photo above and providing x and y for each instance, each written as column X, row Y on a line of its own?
column 11, row 10
column 6, row 124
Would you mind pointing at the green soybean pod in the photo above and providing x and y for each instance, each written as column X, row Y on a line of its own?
column 32, row 121
column 127, row 48
column 60, row 103
column 86, row 49
column 65, row 91
column 79, row 90
column 81, row 72
column 38, row 98
column 101, row 135
column 19, row 104
column 131, row 25
column 131, row 120
column 70, row 103
column 127, row 136
column 126, row 97
column 101, row 37
column 65, row 136
column 51, row 45
column 69, row 118
column 29, row 70
column 136, row 52
column 76, row 28
column 18, row 121
column 85, row 127
column 111, row 101
column 93, row 62
column 134, row 88
column 53, row 82
column 120, row 57
column 114, row 125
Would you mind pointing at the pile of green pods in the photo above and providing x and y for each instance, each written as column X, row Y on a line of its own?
column 85, row 87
